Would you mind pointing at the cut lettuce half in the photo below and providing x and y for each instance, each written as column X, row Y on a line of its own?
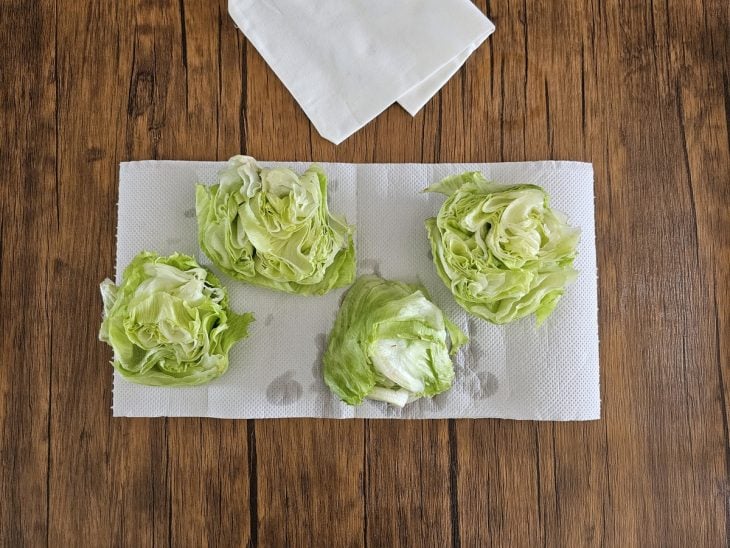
column 389, row 343
column 501, row 250
column 273, row 228
column 169, row 322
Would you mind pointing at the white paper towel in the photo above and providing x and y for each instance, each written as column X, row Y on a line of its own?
column 515, row 371
column 346, row 61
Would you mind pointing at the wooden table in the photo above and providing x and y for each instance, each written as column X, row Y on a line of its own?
column 639, row 88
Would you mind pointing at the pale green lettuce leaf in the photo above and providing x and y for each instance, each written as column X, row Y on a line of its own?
column 273, row 228
column 501, row 250
column 169, row 322
column 389, row 343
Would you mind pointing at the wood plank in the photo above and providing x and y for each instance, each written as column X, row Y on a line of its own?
column 190, row 53
column 409, row 484
column 309, row 473
column 310, row 482
column 27, row 213
column 657, row 412
column 155, row 479
column 105, row 484
column 498, row 475
column 409, row 496
column 520, row 483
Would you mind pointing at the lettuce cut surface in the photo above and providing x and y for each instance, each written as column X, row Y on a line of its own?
column 389, row 343
column 273, row 228
column 169, row 322
column 501, row 250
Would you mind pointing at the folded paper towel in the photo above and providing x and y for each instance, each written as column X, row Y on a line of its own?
column 346, row 61
column 513, row 371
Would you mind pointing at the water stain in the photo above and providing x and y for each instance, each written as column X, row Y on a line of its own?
column 173, row 241
column 483, row 385
column 472, row 355
column 439, row 401
column 269, row 319
column 430, row 255
column 189, row 213
column 370, row 266
column 283, row 390
column 393, row 411
column 477, row 356
column 325, row 400
column 320, row 342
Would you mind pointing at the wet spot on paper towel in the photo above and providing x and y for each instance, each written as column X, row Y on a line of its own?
column 325, row 400
column 473, row 355
column 371, row 266
column 393, row 411
column 172, row 241
column 327, row 403
column 482, row 385
column 321, row 343
column 428, row 405
column 190, row 213
column 269, row 319
column 439, row 401
column 478, row 355
column 332, row 185
column 283, row 390
column 430, row 255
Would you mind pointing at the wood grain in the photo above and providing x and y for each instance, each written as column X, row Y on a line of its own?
column 641, row 89
column 28, row 198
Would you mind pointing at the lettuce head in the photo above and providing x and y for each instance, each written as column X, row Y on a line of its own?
column 501, row 250
column 273, row 228
column 169, row 322
column 389, row 343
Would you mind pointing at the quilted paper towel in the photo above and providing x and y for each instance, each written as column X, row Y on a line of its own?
column 513, row 371
column 346, row 61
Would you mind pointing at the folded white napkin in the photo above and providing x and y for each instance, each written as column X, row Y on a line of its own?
column 346, row 61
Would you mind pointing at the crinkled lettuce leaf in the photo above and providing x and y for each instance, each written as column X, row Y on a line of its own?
column 273, row 228
column 389, row 343
column 169, row 322
column 501, row 250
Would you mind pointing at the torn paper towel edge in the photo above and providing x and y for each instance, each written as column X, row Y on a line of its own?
column 413, row 98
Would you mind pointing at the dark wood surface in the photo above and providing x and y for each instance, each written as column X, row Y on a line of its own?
column 639, row 88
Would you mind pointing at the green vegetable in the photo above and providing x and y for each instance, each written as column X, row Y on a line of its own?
column 389, row 343
column 272, row 227
column 500, row 249
column 169, row 322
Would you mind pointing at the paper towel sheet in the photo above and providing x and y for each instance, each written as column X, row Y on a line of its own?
column 515, row 371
